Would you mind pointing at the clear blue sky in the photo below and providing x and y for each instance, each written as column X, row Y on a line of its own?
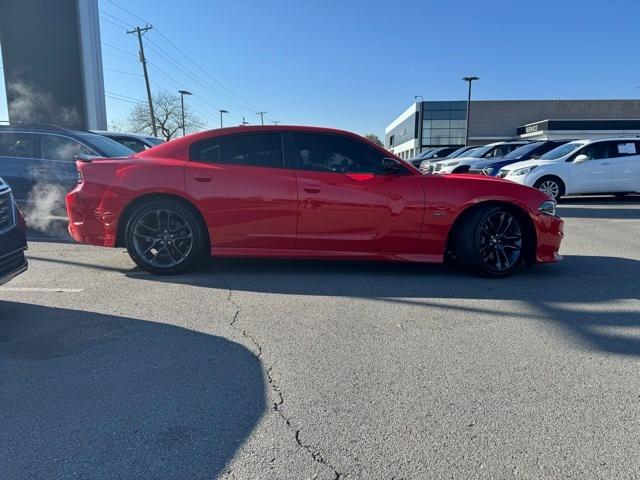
column 358, row 64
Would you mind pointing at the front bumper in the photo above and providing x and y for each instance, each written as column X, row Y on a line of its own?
column 550, row 232
column 13, row 262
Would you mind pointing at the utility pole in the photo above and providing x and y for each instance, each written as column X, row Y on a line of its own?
column 262, row 114
column 244, row 122
column 275, row 122
column 139, row 31
column 469, row 80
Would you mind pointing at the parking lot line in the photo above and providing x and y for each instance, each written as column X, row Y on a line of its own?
column 38, row 289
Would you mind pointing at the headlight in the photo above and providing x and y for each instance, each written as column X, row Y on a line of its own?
column 451, row 164
column 523, row 171
column 548, row 208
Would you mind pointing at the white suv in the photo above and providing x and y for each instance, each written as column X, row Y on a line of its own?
column 582, row 167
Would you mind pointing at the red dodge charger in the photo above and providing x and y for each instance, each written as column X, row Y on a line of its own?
column 307, row 193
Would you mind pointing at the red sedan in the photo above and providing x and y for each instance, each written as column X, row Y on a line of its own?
column 306, row 193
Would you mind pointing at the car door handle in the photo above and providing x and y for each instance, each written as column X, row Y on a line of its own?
column 312, row 189
column 203, row 179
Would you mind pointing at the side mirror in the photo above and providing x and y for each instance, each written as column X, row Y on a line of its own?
column 581, row 158
column 390, row 166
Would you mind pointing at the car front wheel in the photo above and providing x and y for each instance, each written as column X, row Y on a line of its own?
column 551, row 186
column 164, row 237
column 490, row 242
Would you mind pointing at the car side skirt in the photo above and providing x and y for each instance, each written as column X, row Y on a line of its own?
column 323, row 254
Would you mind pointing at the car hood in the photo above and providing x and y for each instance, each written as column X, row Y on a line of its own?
column 529, row 163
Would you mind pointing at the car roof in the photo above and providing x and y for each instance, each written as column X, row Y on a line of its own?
column 109, row 133
column 30, row 128
column 178, row 145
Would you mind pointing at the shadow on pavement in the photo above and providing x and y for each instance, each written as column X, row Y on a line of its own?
column 86, row 395
column 569, row 294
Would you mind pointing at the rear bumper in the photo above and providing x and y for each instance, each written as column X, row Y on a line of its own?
column 90, row 223
column 550, row 232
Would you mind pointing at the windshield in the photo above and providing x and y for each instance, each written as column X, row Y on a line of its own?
column 561, row 151
column 521, row 152
column 463, row 151
column 105, row 146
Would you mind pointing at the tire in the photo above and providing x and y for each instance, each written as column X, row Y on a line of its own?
column 552, row 186
column 490, row 242
column 164, row 237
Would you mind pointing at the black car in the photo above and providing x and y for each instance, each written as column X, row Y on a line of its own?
column 492, row 166
column 13, row 236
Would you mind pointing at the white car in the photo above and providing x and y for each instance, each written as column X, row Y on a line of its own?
column 463, row 163
column 582, row 167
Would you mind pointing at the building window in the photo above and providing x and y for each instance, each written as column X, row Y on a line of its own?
column 444, row 123
column 391, row 141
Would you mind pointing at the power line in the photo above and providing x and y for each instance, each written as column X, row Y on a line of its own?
column 122, row 71
column 120, row 49
column 251, row 106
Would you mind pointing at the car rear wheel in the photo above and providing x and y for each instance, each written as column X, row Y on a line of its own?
column 552, row 186
column 164, row 237
column 490, row 242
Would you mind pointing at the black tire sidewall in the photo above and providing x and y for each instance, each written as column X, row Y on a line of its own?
column 184, row 212
column 467, row 244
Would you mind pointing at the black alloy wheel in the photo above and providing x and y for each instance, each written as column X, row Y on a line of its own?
column 499, row 242
column 164, row 237
column 491, row 242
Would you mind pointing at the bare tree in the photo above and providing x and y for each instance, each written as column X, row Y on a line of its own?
column 374, row 138
column 168, row 117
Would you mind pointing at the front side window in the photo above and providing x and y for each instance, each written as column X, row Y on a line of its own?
column 334, row 153
column 55, row 147
column 596, row 151
column 255, row 150
column 18, row 145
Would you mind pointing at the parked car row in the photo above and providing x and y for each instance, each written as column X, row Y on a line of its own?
column 557, row 167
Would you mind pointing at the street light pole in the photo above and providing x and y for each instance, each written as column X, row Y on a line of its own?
column 182, row 94
column 262, row 114
column 221, row 112
column 469, row 80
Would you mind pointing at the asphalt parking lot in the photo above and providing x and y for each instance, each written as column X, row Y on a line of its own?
column 249, row 369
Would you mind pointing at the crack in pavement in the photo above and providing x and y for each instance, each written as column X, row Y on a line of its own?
column 276, row 407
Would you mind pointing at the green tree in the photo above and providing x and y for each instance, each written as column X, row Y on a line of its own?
column 374, row 138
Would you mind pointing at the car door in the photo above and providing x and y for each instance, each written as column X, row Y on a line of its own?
column 248, row 196
column 592, row 175
column 17, row 150
column 625, row 166
column 347, row 202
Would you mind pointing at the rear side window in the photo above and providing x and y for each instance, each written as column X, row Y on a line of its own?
column 625, row 149
column 256, row 150
column 55, row 147
column 16, row 145
column 253, row 149
column 334, row 153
